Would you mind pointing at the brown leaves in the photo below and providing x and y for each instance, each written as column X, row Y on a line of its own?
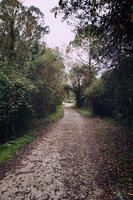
column 116, row 155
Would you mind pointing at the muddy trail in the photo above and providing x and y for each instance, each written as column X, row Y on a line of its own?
column 64, row 164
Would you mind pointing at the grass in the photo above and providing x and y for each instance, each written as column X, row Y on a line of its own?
column 85, row 112
column 9, row 149
column 57, row 115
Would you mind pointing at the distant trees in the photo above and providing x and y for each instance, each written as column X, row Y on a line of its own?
column 111, row 24
column 30, row 73
column 81, row 76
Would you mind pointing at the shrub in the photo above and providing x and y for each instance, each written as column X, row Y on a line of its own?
column 112, row 95
column 16, row 95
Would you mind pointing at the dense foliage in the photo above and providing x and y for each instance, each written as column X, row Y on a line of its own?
column 112, row 95
column 109, row 25
column 30, row 73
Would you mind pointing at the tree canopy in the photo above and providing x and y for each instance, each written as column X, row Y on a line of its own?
column 109, row 26
column 30, row 73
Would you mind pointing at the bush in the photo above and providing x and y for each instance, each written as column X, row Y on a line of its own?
column 96, row 98
column 16, row 96
column 33, row 93
column 112, row 95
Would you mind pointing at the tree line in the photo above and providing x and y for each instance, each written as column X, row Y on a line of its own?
column 31, row 74
column 105, row 81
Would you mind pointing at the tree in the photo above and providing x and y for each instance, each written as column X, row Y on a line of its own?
column 81, row 77
column 30, row 73
column 21, row 28
column 48, row 76
column 111, row 21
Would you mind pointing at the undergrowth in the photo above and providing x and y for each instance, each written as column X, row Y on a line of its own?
column 9, row 149
column 85, row 112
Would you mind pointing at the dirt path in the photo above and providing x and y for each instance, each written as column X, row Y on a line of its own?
column 64, row 165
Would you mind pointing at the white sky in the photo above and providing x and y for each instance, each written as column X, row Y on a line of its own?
column 60, row 32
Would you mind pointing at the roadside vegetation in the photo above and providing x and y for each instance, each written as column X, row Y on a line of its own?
column 102, row 77
column 85, row 112
column 31, row 74
column 58, row 114
column 10, row 148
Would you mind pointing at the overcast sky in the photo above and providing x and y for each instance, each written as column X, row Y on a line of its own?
column 60, row 32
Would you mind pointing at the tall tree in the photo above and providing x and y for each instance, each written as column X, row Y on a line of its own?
column 21, row 28
column 81, row 77
column 112, row 20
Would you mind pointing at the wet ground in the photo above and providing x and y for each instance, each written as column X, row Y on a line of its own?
column 63, row 165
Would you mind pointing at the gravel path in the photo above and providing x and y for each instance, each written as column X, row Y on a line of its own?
column 63, row 165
